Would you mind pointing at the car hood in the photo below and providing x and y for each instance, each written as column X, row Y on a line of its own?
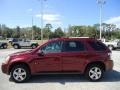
column 3, row 42
column 21, row 53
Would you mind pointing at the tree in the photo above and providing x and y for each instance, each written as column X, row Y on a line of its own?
column 48, row 26
column 18, row 31
column 37, row 32
column 58, row 32
column 6, row 32
column 109, row 31
column 47, row 31
column 0, row 30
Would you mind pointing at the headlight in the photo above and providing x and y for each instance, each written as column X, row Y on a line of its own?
column 7, row 59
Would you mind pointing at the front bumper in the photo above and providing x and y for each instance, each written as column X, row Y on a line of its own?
column 109, row 65
column 4, row 68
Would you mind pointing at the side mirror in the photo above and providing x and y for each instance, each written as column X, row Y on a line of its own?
column 40, row 53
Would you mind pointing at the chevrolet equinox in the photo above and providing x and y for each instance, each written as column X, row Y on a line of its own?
column 86, row 56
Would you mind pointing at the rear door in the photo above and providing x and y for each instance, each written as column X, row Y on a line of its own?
column 74, row 55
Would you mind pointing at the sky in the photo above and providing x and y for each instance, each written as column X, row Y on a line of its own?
column 60, row 13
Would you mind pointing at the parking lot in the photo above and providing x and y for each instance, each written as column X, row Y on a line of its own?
column 111, row 80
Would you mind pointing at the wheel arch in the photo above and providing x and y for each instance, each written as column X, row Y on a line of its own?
column 34, row 44
column 18, row 63
column 100, row 63
column 15, row 44
column 4, row 44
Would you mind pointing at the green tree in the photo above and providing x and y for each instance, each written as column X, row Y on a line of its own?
column 37, row 32
column 58, row 32
column 47, row 31
column 48, row 26
column 18, row 31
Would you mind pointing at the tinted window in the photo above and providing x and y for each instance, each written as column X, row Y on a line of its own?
column 52, row 47
column 15, row 40
column 73, row 46
column 97, row 46
column 20, row 39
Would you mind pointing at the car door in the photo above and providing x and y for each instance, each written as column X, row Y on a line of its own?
column 28, row 42
column 50, row 60
column 73, row 56
column 21, row 42
column 25, row 42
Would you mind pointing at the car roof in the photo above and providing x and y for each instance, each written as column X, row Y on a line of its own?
column 74, row 38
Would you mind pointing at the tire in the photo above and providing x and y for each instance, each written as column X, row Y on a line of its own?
column 94, row 73
column 4, row 46
column 110, row 47
column 20, row 73
column 34, row 46
column 16, row 46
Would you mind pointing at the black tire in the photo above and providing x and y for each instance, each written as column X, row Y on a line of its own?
column 4, row 46
column 33, row 46
column 16, row 46
column 20, row 73
column 92, row 75
column 111, row 47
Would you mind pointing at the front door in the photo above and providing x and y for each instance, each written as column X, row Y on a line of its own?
column 26, row 43
column 50, row 60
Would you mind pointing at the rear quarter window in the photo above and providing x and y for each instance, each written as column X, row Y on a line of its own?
column 97, row 46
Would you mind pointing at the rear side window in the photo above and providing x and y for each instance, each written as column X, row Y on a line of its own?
column 73, row 46
column 97, row 46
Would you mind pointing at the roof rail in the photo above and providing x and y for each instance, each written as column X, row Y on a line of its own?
column 79, row 37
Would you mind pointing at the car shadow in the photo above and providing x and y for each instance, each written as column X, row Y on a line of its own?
column 116, row 50
column 111, row 76
column 25, row 48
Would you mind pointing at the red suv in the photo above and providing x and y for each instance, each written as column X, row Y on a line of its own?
column 86, row 56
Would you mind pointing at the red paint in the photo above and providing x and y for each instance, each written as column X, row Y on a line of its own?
column 60, row 62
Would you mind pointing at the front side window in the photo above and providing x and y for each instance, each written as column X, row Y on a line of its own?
column 73, row 46
column 52, row 47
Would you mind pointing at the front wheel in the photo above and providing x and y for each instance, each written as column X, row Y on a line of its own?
column 20, row 73
column 94, row 73
column 34, row 46
column 4, row 46
column 111, row 47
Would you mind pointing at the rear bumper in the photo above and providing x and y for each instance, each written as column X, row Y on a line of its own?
column 4, row 68
column 109, row 65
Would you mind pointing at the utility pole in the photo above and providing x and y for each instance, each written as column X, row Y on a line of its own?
column 42, row 20
column 101, row 3
column 31, row 10
column 32, row 29
column 42, row 14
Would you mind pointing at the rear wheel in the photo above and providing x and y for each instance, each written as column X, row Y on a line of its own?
column 94, row 72
column 16, row 46
column 20, row 73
